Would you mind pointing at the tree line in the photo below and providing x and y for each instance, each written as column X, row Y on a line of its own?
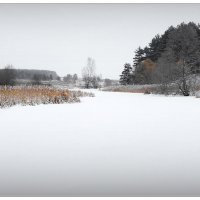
column 9, row 76
column 170, row 59
column 70, row 79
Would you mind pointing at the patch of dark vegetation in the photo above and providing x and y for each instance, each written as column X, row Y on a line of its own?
column 171, row 60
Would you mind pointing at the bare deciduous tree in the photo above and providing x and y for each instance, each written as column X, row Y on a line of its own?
column 88, row 73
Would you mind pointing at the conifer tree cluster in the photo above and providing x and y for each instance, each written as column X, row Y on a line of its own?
column 164, row 57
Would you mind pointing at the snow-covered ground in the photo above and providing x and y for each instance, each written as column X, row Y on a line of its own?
column 115, row 144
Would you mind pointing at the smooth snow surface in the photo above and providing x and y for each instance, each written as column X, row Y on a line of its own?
column 114, row 144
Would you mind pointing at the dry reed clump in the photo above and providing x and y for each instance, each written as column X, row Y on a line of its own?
column 34, row 95
column 131, row 89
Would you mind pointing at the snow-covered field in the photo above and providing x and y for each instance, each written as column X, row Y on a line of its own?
column 115, row 144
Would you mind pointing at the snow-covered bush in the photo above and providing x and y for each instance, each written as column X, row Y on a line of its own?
column 34, row 95
column 197, row 94
column 79, row 93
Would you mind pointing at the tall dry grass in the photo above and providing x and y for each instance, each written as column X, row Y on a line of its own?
column 146, row 89
column 34, row 95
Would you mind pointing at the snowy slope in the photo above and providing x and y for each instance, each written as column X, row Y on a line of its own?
column 115, row 144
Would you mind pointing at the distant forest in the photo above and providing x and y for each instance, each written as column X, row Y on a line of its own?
column 32, row 74
column 170, row 58
column 9, row 75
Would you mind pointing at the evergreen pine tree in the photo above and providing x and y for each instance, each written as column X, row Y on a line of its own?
column 139, row 56
column 126, row 77
column 154, row 48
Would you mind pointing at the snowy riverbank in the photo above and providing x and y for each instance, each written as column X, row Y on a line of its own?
column 115, row 144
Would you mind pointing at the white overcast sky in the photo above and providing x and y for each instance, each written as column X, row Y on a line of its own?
column 60, row 37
